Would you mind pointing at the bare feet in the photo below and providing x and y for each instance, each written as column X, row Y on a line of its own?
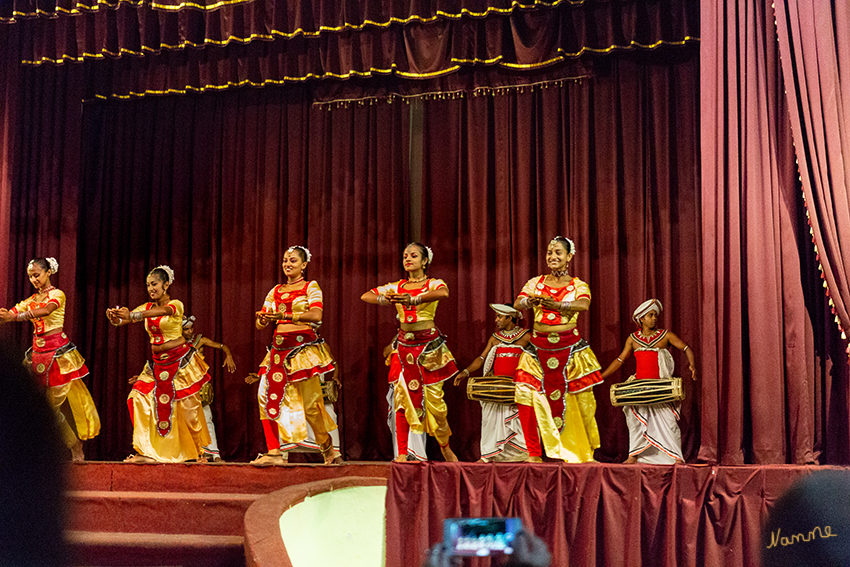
column 139, row 459
column 77, row 452
column 630, row 461
column 336, row 459
column 331, row 456
column 270, row 459
column 400, row 459
column 448, row 454
column 535, row 459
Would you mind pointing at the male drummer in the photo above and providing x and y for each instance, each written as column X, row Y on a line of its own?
column 654, row 435
column 501, row 432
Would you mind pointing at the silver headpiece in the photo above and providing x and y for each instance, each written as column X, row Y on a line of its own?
column 167, row 270
column 304, row 248
column 430, row 255
column 188, row 321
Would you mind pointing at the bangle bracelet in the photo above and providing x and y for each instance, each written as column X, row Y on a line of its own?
column 686, row 348
column 564, row 306
column 523, row 303
column 382, row 300
column 618, row 358
column 295, row 317
column 135, row 317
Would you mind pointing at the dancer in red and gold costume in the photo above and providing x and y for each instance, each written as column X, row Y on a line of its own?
column 654, row 435
column 554, row 387
column 290, row 393
column 502, row 438
column 53, row 359
column 165, row 402
column 425, row 358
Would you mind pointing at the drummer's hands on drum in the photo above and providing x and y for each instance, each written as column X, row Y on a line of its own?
column 549, row 303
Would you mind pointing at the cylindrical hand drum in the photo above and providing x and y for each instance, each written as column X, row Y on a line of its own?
column 647, row 392
column 493, row 389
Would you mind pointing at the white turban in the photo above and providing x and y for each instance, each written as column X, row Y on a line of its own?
column 504, row 309
column 646, row 307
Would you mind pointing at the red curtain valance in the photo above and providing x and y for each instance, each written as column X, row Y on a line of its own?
column 303, row 16
column 503, row 50
column 571, row 30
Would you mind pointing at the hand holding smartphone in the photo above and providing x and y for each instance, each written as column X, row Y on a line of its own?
column 480, row 537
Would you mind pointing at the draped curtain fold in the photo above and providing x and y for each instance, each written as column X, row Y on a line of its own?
column 610, row 163
column 132, row 51
column 775, row 385
column 814, row 45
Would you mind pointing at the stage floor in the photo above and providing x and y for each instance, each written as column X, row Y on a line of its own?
column 176, row 514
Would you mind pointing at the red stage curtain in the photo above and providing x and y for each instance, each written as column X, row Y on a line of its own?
column 44, row 181
column 8, row 119
column 217, row 187
column 774, row 386
column 611, row 163
column 510, row 45
column 814, row 44
column 606, row 515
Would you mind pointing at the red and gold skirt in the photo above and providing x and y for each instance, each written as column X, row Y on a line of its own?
column 295, row 356
column 55, row 361
column 178, row 373
column 425, row 357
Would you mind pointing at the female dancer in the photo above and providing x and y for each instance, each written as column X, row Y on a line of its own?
column 165, row 402
column 290, row 392
column 53, row 358
column 425, row 358
column 565, row 368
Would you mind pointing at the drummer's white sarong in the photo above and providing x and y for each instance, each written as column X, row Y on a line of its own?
column 501, row 433
column 654, row 435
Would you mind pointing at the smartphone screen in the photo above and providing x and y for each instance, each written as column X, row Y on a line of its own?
column 480, row 536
